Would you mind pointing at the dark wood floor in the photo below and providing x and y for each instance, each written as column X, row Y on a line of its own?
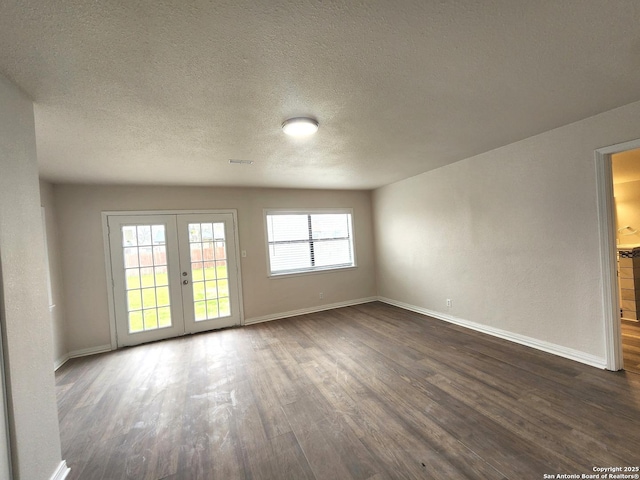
column 631, row 345
column 366, row 392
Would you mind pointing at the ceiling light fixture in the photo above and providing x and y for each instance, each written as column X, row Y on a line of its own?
column 300, row 126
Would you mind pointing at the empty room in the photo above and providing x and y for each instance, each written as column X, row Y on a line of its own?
column 319, row 240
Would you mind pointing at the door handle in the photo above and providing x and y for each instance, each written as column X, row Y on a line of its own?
column 185, row 282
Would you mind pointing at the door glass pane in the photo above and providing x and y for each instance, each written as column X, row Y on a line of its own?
column 197, row 271
column 150, row 319
column 144, row 234
column 131, row 257
column 223, row 287
column 198, row 291
column 146, row 256
column 196, row 252
column 210, row 270
column 220, row 251
column 164, row 317
column 148, row 298
column 135, row 322
column 146, row 277
column 133, row 278
column 129, row 236
column 162, row 277
column 221, row 269
column 160, row 255
column 194, row 232
column 207, row 231
column 200, row 309
column 208, row 263
column 162, row 296
column 211, row 289
column 207, row 251
column 225, row 307
column 218, row 231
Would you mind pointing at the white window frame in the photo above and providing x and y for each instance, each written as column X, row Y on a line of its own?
column 308, row 211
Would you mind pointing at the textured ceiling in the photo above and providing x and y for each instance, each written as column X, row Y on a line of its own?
column 167, row 91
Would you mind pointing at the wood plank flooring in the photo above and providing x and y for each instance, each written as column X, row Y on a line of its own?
column 365, row 392
column 631, row 345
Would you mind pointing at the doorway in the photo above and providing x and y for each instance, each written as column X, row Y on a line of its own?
column 618, row 182
column 626, row 192
column 172, row 274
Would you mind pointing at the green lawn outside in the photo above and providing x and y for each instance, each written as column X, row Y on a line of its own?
column 148, row 305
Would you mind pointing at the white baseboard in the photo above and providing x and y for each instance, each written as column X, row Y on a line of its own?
column 60, row 361
column 548, row 347
column 81, row 353
column 304, row 311
column 61, row 472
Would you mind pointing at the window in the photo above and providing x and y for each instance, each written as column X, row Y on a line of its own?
column 309, row 241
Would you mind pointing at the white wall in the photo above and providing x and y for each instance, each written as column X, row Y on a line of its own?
column 24, row 310
column 57, row 312
column 511, row 236
column 82, row 256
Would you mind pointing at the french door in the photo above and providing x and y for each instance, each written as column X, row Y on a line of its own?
column 172, row 274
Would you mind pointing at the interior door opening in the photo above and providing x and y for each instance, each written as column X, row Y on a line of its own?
column 172, row 274
column 626, row 200
column 618, row 183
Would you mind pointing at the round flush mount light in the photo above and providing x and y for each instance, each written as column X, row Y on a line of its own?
column 300, row 126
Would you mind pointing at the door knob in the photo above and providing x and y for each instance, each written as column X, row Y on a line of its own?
column 185, row 282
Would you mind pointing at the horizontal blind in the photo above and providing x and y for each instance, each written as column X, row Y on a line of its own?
column 303, row 242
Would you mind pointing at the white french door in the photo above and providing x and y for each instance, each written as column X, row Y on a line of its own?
column 172, row 274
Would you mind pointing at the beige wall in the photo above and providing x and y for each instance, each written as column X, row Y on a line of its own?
column 511, row 236
column 24, row 309
column 57, row 312
column 627, row 197
column 79, row 214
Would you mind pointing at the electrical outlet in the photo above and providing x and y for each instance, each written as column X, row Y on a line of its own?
column 449, row 302
column 321, row 295
column 244, row 254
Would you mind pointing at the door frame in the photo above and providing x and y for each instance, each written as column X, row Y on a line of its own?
column 608, row 253
column 107, row 256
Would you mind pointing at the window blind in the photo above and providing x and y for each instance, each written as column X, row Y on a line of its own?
column 305, row 241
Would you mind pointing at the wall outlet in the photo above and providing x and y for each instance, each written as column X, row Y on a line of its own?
column 321, row 295
column 448, row 302
column 244, row 254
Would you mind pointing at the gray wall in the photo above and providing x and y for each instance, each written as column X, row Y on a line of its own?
column 511, row 236
column 25, row 316
column 57, row 312
column 82, row 251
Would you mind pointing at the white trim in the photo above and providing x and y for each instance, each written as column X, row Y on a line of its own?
column 128, row 213
column 61, row 472
column 312, row 272
column 306, row 211
column 106, row 245
column 5, row 443
column 57, row 363
column 304, row 311
column 240, row 286
column 548, row 347
column 90, row 351
column 607, row 233
column 109, row 273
